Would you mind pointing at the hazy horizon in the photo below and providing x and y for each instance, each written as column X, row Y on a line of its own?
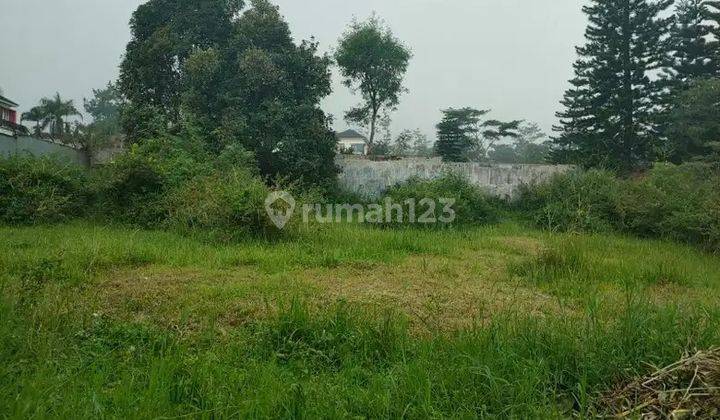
column 512, row 56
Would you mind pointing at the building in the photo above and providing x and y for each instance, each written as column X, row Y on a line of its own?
column 7, row 110
column 8, row 118
column 352, row 142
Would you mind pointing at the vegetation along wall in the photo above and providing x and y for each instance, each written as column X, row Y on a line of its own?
column 23, row 146
column 372, row 178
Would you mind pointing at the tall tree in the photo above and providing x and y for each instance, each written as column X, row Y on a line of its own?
column 713, row 13
column 235, row 76
column 694, row 123
column 36, row 115
column 693, row 54
column 105, row 107
column 52, row 114
column 463, row 134
column 609, row 120
column 164, row 35
column 373, row 62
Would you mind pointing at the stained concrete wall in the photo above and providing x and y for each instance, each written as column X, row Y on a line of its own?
column 23, row 146
column 370, row 178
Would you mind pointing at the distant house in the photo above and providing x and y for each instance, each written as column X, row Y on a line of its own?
column 351, row 141
column 8, row 118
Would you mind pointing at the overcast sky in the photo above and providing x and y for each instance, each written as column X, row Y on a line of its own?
column 512, row 56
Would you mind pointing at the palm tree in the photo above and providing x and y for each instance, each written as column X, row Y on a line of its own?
column 36, row 115
column 55, row 111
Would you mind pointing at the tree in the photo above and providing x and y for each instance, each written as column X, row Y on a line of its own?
column 51, row 114
column 234, row 76
column 373, row 62
column 421, row 144
column 463, row 135
column 713, row 15
column 164, row 35
column 105, row 108
column 529, row 147
column 403, row 143
column 694, row 126
column 36, row 115
column 532, row 144
column 609, row 118
column 693, row 54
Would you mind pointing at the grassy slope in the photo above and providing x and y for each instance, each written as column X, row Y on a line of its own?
column 340, row 321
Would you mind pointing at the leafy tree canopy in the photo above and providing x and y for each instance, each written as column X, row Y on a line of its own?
column 373, row 62
column 464, row 135
column 235, row 74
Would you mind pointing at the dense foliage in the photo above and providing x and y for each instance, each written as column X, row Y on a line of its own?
column 609, row 118
column 239, row 77
column 41, row 191
column 694, row 124
column 676, row 202
column 425, row 203
column 464, row 135
column 173, row 182
column 530, row 146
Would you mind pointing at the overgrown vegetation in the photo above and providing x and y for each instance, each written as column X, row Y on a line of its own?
column 676, row 202
column 41, row 191
column 112, row 322
column 450, row 200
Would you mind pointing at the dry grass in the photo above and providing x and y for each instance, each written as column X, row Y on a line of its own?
column 689, row 388
column 435, row 292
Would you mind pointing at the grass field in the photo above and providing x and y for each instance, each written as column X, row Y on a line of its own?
column 343, row 321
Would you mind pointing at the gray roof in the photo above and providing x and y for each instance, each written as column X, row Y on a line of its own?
column 350, row 134
column 7, row 102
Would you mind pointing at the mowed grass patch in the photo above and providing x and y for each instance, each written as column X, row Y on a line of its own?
column 345, row 321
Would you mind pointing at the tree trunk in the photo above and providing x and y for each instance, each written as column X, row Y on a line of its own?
column 373, row 123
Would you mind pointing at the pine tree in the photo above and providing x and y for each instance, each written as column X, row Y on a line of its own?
column 713, row 15
column 456, row 132
column 609, row 112
column 693, row 56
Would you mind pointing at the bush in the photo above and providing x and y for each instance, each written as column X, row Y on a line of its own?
column 226, row 206
column 471, row 205
column 675, row 202
column 41, row 191
column 135, row 188
column 131, row 191
column 577, row 201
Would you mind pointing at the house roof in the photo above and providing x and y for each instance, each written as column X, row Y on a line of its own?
column 7, row 102
column 350, row 134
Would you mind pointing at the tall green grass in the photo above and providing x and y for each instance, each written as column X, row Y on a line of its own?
column 60, row 359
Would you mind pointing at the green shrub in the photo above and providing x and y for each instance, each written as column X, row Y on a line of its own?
column 471, row 205
column 676, row 202
column 225, row 205
column 137, row 187
column 577, row 201
column 131, row 191
column 681, row 203
column 41, row 191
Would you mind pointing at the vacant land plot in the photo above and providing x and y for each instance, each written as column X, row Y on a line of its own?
column 341, row 321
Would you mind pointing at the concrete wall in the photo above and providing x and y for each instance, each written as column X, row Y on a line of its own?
column 371, row 178
column 20, row 146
